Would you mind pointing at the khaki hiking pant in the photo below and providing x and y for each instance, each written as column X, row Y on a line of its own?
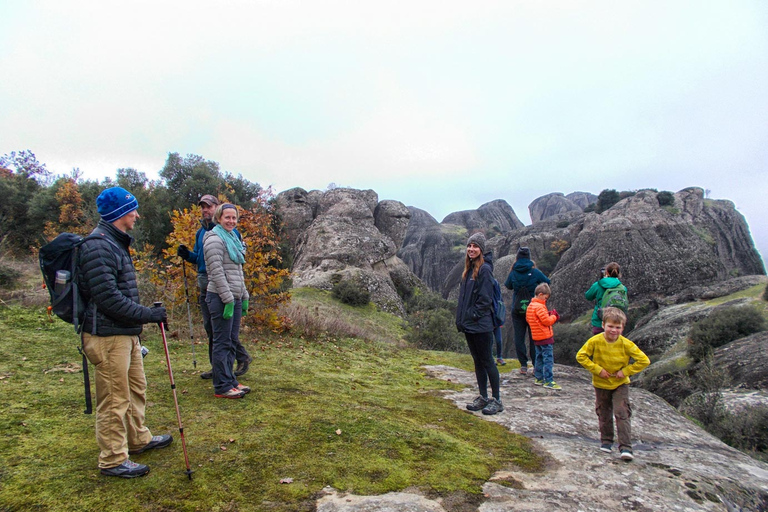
column 121, row 389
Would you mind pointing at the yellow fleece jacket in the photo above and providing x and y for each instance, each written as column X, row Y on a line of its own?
column 597, row 354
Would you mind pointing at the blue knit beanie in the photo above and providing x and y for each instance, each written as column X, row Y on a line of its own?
column 115, row 202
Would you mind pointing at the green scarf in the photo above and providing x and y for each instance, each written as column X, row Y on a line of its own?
column 235, row 247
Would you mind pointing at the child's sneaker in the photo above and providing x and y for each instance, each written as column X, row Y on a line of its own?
column 606, row 447
column 477, row 404
column 523, row 370
column 501, row 361
column 494, row 406
column 553, row 385
column 538, row 382
column 626, row 454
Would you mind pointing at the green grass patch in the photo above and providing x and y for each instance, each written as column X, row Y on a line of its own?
column 359, row 416
column 373, row 323
column 753, row 292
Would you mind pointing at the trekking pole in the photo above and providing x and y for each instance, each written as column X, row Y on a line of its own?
column 188, row 472
column 189, row 314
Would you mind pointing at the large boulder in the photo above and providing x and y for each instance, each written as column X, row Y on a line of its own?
column 431, row 249
column 491, row 218
column 350, row 235
column 553, row 206
column 583, row 199
column 660, row 250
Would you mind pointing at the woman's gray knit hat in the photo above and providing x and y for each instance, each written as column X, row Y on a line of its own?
column 479, row 240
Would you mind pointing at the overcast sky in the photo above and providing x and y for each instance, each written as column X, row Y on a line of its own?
column 443, row 105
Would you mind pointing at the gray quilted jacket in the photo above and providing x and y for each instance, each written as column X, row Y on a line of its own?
column 225, row 277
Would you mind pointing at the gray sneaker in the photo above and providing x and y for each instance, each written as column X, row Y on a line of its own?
column 606, row 447
column 156, row 442
column 127, row 469
column 477, row 404
column 494, row 407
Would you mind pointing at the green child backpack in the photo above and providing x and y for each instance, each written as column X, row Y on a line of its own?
column 615, row 297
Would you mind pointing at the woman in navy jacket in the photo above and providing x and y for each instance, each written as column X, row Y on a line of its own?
column 474, row 317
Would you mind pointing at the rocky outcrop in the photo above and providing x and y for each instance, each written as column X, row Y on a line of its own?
column 346, row 234
column 583, row 199
column 491, row 218
column 672, row 379
column 677, row 466
column 431, row 249
column 660, row 250
column 553, row 206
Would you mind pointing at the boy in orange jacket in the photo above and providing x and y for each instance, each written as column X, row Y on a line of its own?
column 541, row 321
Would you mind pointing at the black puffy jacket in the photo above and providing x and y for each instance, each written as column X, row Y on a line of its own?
column 108, row 280
column 474, row 312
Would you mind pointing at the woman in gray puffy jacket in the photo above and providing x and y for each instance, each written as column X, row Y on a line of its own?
column 227, row 298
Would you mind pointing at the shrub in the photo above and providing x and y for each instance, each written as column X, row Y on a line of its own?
column 9, row 277
column 591, row 207
column 666, row 198
column 351, row 292
column 765, row 293
column 563, row 223
column 606, row 199
column 569, row 338
column 722, row 327
column 426, row 301
column 435, row 329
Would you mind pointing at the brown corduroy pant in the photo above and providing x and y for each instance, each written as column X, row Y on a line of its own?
column 121, row 388
column 610, row 403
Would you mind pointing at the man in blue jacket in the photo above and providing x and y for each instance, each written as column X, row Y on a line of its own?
column 523, row 275
column 208, row 205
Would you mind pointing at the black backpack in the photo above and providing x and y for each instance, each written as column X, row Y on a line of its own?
column 499, row 309
column 521, row 300
column 59, row 262
column 59, row 265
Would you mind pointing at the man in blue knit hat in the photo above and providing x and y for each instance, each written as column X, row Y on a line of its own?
column 111, row 328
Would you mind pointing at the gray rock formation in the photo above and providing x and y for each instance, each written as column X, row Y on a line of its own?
column 583, row 199
column 346, row 234
column 491, row 218
column 660, row 250
column 431, row 249
column 553, row 206
column 670, row 379
column 678, row 466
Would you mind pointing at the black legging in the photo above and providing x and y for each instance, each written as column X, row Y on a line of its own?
column 480, row 346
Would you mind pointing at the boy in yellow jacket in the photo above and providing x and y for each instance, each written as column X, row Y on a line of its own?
column 540, row 321
column 606, row 356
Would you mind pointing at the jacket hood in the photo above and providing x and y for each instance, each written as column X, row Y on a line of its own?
column 523, row 265
column 488, row 257
column 609, row 282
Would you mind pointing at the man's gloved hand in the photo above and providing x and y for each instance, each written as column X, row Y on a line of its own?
column 183, row 252
column 245, row 307
column 159, row 315
column 229, row 310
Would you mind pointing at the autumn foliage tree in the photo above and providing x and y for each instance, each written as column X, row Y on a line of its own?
column 71, row 216
column 264, row 276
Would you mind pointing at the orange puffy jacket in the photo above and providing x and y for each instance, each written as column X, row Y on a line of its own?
column 539, row 319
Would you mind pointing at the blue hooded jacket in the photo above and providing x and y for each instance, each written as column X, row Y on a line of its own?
column 474, row 313
column 524, row 274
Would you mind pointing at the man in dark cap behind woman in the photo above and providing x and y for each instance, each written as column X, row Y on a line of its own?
column 523, row 277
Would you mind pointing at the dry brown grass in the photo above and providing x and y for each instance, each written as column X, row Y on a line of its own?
column 27, row 290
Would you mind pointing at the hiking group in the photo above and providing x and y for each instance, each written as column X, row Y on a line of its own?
column 610, row 357
column 93, row 285
column 108, row 311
